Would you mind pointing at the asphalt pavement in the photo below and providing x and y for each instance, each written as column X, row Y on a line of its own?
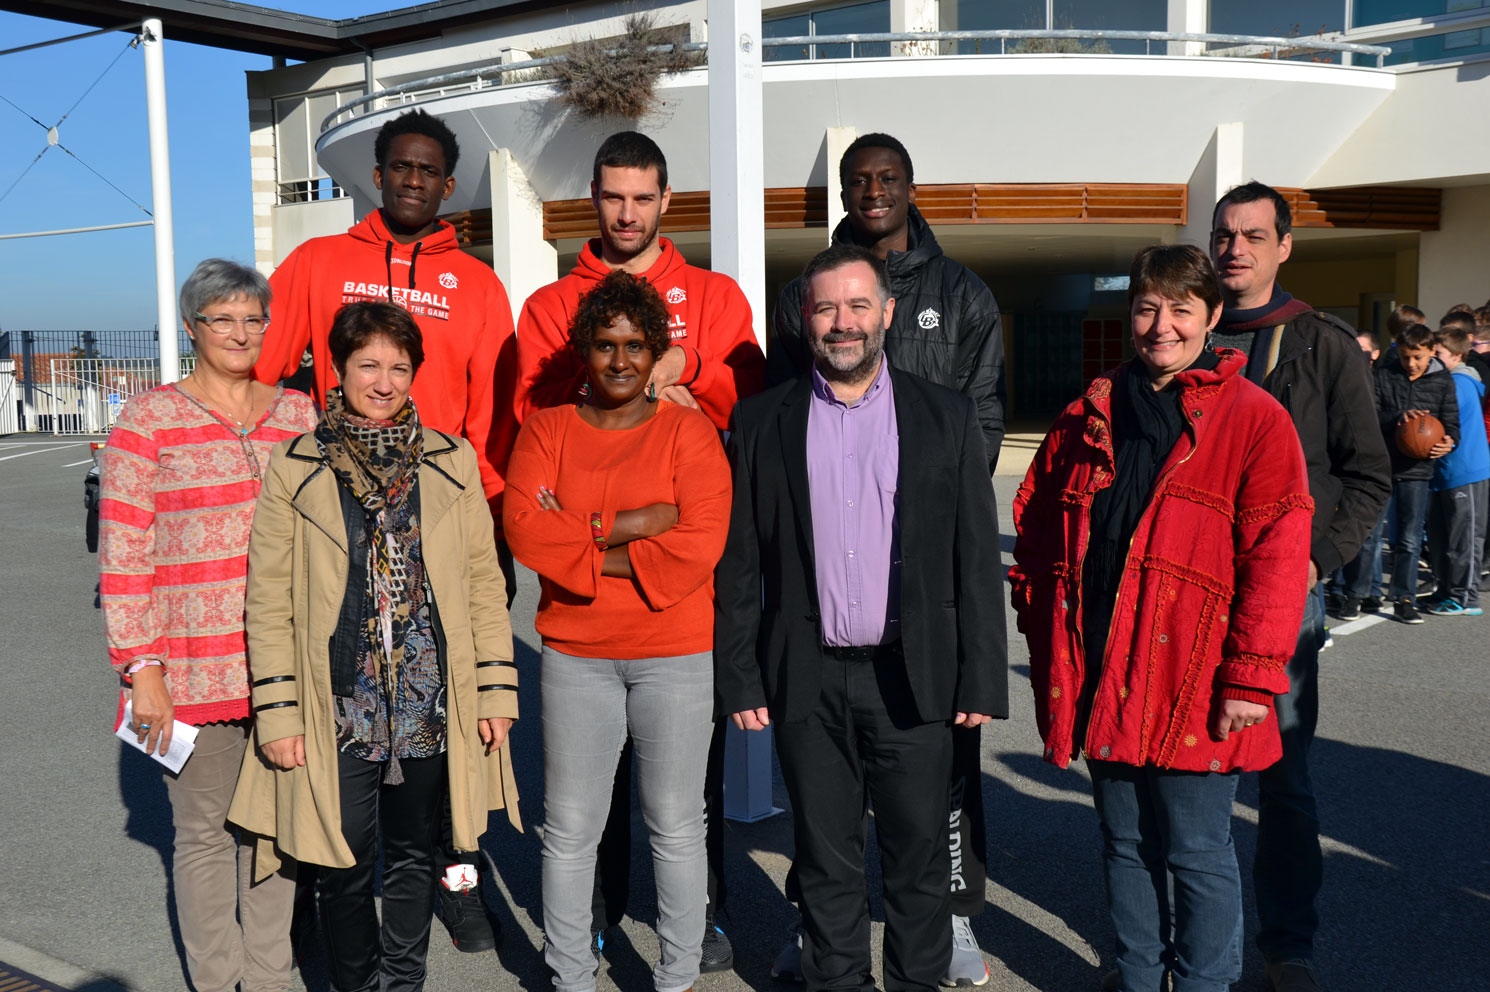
column 1402, row 766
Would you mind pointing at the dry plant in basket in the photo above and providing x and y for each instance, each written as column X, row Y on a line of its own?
column 617, row 77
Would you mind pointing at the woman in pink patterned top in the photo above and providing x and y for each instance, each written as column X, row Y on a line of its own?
column 180, row 478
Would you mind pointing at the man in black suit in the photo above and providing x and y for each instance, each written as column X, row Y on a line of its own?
column 859, row 607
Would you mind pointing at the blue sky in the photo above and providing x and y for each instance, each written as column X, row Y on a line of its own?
column 106, row 280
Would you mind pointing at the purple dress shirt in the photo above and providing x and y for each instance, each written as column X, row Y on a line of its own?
column 853, row 470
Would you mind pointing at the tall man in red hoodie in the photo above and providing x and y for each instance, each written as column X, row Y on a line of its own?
column 713, row 362
column 403, row 254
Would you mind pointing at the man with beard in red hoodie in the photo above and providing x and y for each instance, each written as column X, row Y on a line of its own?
column 714, row 361
column 403, row 254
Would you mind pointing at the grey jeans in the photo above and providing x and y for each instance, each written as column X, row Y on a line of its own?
column 236, row 933
column 589, row 706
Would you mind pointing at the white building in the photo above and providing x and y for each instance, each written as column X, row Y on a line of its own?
column 1042, row 163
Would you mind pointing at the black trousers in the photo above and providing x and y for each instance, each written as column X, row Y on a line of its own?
column 863, row 746
column 967, row 832
column 362, row 955
column 613, row 856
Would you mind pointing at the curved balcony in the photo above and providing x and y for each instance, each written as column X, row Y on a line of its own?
column 1014, row 118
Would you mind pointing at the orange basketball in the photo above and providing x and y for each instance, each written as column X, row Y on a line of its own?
column 1417, row 435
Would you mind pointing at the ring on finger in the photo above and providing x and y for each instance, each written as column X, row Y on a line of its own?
column 144, row 726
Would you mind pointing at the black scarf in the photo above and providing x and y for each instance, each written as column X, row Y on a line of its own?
column 1146, row 425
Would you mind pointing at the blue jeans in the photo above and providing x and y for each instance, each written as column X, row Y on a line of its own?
column 1289, row 867
column 589, row 706
column 1156, row 820
column 1410, row 508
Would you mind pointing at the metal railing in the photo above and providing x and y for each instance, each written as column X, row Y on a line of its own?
column 498, row 74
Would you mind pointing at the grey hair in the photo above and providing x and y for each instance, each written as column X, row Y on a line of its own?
column 218, row 280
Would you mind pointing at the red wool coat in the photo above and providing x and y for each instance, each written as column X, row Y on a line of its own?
column 1213, row 590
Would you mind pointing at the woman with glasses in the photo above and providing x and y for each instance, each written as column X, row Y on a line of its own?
column 180, row 480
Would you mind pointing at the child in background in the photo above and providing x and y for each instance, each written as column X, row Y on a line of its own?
column 1456, row 521
column 1415, row 383
column 1360, row 578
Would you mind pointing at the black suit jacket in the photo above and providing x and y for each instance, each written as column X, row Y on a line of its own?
column 767, row 634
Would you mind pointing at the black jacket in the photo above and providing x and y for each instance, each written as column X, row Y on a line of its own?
column 1323, row 380
column 1395, row 393
column 946, row 328
column 767, row 630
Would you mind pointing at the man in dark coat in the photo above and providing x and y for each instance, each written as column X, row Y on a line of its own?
column 945, row 328
column 1310, row 362
column 858, row 609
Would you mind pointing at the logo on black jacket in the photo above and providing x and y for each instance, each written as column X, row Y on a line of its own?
column 929, row 319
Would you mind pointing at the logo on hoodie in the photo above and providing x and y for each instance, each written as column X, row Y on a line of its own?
column 448, row 280
column 929, row 319
column 676, row 296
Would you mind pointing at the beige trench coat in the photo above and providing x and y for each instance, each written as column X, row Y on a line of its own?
column 297, row 576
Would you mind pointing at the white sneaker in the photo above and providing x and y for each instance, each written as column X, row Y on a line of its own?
column 788, row 964
column 967, row 966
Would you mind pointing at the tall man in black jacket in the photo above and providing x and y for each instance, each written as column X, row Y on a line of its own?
column 945, row 328
column 1310, row 362
column 858, row 608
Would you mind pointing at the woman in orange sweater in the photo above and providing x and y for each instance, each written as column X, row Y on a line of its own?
column 621, row 505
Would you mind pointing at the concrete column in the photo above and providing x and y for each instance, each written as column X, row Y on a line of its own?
column 262, row 175
column 1190, row 17
column 835, row 143
column 737, row 221
column 737, row 243
column 914, row 15
column 1219, row 169
column 1453, row 266
column 523, row 260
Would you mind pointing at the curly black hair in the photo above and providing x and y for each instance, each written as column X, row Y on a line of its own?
column 417, row 122
column 621, row 294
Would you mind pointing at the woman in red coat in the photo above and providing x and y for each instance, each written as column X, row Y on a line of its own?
column 1160, row 578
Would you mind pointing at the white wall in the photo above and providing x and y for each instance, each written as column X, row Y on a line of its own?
column 1454, row 261
column 296, row 223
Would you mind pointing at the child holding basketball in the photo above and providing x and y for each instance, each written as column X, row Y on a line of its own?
column 1456, row 519
column 1415, row 384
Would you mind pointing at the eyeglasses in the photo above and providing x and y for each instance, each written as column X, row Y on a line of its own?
column 223, row 324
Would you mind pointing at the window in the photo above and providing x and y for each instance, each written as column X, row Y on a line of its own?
column 1278, row 18
column 1365, row 12
column 297, row 125
column 858, row 18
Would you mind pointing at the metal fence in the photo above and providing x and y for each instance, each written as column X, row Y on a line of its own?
column 75, row 382
column 84, row 395
column 9, row 419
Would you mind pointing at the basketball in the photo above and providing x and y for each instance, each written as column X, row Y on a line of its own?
column 1417, row 436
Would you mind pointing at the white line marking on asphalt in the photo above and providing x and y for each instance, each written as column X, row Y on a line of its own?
column 1358, row 625
column 85, row 461
column 38, row 451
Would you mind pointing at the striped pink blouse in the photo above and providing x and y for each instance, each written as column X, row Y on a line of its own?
column 178, row 493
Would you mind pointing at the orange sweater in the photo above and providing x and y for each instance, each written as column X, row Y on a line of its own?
column 710, row 317
column 470, row 357
column 668, row 608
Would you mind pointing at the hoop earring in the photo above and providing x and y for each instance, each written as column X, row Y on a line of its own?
column 584, row 391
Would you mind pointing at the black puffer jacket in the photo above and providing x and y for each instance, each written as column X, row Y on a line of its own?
column 946, row 328
column 1395, row 394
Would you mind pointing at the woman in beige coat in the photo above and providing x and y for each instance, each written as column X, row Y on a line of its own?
column 380, row 655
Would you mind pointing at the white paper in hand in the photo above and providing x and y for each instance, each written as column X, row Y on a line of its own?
column 183, row 740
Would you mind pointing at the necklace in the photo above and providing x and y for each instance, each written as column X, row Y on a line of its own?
column 240, row 433
column 244, row 426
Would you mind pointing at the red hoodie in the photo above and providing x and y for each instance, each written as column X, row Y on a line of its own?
column 710, row 320
column 465, row 385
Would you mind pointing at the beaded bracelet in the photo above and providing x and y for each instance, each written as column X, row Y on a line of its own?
column 596, row 532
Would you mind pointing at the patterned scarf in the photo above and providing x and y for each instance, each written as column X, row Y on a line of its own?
column 378, row 463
